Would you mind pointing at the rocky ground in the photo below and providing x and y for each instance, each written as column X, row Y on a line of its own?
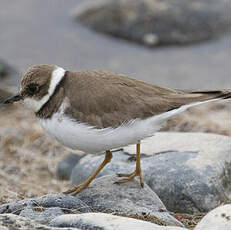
column 29, row 158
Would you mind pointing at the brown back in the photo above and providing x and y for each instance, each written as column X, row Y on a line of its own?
column 104, row 99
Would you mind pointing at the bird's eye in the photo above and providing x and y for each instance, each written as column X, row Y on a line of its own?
column 32, row 88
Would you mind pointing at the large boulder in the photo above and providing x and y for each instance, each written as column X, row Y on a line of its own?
column 103, row 195
column 158, row 22
column 106, row 222
column 190, row 172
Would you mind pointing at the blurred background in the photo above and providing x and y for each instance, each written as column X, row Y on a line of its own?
column 172, row 43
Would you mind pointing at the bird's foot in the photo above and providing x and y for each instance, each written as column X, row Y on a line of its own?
column 74, row 191
column 129, row 177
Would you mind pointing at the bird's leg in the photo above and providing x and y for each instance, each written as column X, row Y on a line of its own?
column 78, row 188
column 137, row 172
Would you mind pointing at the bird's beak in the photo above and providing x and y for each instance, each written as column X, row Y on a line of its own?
column 13, row 99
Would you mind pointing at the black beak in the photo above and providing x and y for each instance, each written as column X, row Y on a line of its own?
column 13, row 99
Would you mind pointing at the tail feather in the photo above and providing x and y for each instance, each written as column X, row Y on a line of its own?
column 195, row 98
column 187, row 99
column 204, row 95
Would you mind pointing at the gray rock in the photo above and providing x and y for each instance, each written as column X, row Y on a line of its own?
column 9, row 79
column 217, row 219
column 88, row 164
column 15, row 222
column 66, row 165
column 45, row 208
column 103, row 195
column 203, row 143
column 155, row 22
column 40, row 214
column 6, row 70
column 195, row 179
column 98, row 221
column 9, row 76
column 4, row 94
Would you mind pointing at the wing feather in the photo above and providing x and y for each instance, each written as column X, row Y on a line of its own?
column 104, row 99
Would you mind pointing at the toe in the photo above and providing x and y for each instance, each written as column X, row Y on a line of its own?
column 124, row 174
column 68, row 191
column 76, row 192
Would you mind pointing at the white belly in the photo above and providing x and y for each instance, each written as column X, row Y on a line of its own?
column 77, row 135
column 80, row 136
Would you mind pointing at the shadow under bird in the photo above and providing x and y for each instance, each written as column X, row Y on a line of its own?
column 96, row 111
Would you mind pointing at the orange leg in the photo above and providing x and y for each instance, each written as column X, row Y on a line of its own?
column 82, row 186
column 137, row 172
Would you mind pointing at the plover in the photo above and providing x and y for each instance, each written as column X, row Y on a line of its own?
column 96, row 110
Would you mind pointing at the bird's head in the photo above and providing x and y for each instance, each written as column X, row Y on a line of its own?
column 37, row 86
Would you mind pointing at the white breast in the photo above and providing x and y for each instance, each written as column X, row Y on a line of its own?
column 77, row 135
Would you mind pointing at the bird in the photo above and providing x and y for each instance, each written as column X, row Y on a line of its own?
column 98, row 111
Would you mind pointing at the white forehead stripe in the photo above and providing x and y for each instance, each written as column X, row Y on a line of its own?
column 56, row 77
